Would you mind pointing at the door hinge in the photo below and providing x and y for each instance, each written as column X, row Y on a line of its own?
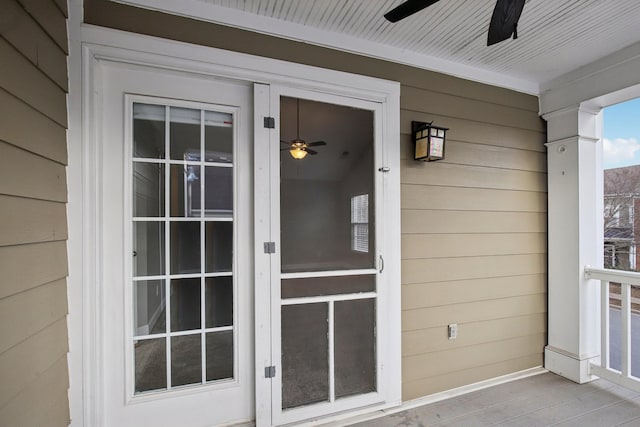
column 269, row 247
column 269, row 122
column 269, row 371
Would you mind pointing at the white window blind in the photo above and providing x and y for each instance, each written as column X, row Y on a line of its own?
column 360, row 223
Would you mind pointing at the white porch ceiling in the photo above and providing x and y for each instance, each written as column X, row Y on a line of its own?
column 555, row 36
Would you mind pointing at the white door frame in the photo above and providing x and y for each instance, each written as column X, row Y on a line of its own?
column 100, row 44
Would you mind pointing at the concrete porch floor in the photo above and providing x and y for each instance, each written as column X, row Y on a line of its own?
column 542, row 400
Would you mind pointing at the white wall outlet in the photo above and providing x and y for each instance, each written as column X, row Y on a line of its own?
column 453, row 331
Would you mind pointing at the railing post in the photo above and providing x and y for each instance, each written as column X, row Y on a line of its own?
column 604, row 325
column 625, row 332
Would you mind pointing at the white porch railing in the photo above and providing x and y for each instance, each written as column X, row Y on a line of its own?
column 627, row 280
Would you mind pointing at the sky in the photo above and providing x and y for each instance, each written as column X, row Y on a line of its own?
column 622, row 134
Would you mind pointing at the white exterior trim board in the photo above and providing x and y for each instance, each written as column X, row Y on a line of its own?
column 605, row 82
column 110, row 45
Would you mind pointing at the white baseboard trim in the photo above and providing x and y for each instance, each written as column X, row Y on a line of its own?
column 437, row 397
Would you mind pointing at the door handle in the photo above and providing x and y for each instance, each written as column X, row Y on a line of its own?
column 381, row 264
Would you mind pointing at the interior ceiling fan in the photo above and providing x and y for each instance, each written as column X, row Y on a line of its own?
column 299, row 148
column 504, row 21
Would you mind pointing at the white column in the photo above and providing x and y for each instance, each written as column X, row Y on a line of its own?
column 575, row 238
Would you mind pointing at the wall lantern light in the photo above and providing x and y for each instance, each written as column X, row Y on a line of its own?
column 428, row 141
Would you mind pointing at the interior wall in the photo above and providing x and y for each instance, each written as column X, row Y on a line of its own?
column 473, row 225
column 33, row 223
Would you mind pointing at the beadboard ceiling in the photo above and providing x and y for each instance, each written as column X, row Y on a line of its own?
column 555, row 36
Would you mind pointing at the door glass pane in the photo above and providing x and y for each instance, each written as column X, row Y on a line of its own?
column 219, row 355
column 148, row 189
column 318, row 224
column 185, row 247
column 218, row 138
column 218, row 246
column 149, row 305
column 317, row 286
column 171, row 229
column 218, row 191
column 305, row 363
column 219, row 302
column 355, row 353
column 185, row 190
column 185, row 304
column 148, row 131
column 150, row 364
column 186, row 360
column 148, row 248
column 184, row 136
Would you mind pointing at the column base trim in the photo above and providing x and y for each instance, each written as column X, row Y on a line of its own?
column 569, row 366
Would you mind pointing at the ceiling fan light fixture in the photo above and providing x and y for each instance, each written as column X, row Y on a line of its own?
column 298, row 153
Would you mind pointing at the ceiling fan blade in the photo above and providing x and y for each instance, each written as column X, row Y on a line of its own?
column 310, row 151
column 504, row 21
column 316, row 144
column 407, row 8
column 285, row 142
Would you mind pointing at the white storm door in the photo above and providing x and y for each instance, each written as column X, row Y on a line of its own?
column 176, row 323
column 328, row 336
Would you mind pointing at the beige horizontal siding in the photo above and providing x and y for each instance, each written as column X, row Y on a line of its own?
column 62, row 5
column 29, row 175
column 21, row 273
column 51, row 18
column 477, row 132
column 465, row 268
column 473, row 225
column 28, row 37
column 441, row 316
column 451, row 360
column 465, row 153
column 419, row 246
column 474, row 199
column 445, row 174
column 428, row 101
column 487, row 155
column 43, row 403
column 426, row 221
column 423, row 387
column 433, row 294
column 432, row 340
column 29, row 312
column 33, row 222
column 24, row 364
column 25, row 127
column 416, row 78
column 22, row 79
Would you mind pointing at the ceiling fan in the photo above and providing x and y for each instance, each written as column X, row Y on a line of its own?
column 504, row 21
column 299, row 148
